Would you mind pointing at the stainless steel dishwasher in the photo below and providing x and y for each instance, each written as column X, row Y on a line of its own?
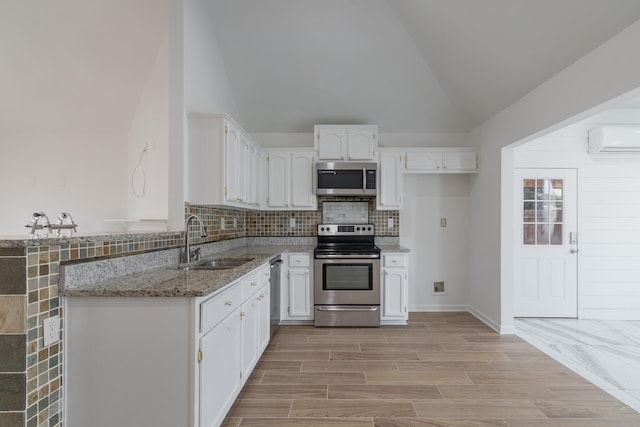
column 274, row 287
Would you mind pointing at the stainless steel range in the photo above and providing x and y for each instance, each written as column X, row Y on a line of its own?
column 346, row 276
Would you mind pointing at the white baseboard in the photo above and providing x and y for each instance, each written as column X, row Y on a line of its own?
column 478, row 314
column 436, row 308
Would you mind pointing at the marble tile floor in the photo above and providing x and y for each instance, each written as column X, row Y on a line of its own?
column 605, row 352
column 443, row 369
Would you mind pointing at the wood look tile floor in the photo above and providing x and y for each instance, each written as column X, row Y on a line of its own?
column 443, row 369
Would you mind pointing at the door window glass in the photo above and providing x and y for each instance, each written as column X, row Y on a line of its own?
column 542, row 207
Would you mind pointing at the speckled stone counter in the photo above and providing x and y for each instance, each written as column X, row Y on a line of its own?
column 167, row 281
column 392, row 248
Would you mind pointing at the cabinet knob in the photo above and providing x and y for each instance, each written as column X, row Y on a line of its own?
column 254, row 284
column 260, row 297
column 227, row 303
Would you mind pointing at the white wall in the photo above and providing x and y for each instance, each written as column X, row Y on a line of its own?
column 437, row 253
column 602, row 75
column 608, row 220
column 148, row 146
column 206, row 84
column 80, row 173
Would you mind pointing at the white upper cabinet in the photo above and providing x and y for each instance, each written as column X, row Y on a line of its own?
column 279, row 172
column 346, row 143
column 442, row 160
column 222, row 163
column 390, row 180
column 291, row 180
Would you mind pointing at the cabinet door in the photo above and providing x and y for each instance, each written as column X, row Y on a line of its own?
column 361, row 144
column 231, row 148
column 242, row 169
column 331, row 144
column 264, row 317
column 278, row 180
column 460, row 160
column 252, row 175
column 300, row 302
column 263, row 179
column 390, row 181
column 394, row 291
column 250, row 317
column 424, row 161
column 302, row 195
column 219, row 370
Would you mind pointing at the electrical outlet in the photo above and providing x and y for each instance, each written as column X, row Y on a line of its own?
column 390, row 222
column 443, row 222
column 292, row 222
column 221, row 223
column 235, row 222
column 51, row 330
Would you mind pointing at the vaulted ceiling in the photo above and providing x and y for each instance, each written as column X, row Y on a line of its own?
column 406, row 65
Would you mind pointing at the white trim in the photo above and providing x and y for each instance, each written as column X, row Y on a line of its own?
column 432, row 308
column 496, row 326
column 487, row 320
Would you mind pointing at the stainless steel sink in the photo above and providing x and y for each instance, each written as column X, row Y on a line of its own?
column 224, row 262
column 216, row 264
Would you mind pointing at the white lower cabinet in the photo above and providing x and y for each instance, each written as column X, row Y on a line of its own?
column 220, row 377
column 220, row 368
column 174, row 361
column 297, row 298
column 395, row 288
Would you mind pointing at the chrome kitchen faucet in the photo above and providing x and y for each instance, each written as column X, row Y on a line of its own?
column 188, row 253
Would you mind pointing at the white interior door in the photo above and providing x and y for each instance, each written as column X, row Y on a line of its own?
column 546, row 261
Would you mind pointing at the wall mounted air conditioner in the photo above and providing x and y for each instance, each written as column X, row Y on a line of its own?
column 614, row 139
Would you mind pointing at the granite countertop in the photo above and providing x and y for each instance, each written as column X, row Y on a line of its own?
column 167, row 281
column 392, row 248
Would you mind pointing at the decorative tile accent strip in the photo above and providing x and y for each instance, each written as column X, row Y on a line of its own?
column 345, row 212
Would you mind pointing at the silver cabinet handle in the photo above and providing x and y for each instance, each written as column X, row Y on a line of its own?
column 573, row 251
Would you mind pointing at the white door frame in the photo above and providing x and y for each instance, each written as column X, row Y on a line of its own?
column 552, row 263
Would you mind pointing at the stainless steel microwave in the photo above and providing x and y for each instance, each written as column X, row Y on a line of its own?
column 345, row 179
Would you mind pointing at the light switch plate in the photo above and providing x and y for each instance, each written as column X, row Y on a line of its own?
column 443, row 222
column 390, row 222
column 51, row 330
column 292, row 222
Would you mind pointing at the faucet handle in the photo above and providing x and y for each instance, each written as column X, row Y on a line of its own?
column 195, row 254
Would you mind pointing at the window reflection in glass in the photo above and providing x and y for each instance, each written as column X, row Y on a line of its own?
column 542, row 213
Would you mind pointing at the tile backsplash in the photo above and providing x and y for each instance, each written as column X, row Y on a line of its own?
column 345, row 212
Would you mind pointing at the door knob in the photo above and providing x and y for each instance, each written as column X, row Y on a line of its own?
column 573, row 251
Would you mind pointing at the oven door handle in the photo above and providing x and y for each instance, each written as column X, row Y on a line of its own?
column 344, row 308
column 347, row 256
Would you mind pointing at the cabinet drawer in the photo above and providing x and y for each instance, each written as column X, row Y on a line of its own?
column 299, row 260
column 250, row 283
column 394, row 260
column 215, row 309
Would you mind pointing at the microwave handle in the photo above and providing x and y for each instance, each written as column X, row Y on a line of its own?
column 364, row 180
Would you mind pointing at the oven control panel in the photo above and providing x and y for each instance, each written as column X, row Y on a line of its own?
column 346, row 230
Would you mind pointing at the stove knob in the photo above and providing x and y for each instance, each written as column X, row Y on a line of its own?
column 328, row 228
column 358, row 228
column 321, row 228
column 369, row 228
